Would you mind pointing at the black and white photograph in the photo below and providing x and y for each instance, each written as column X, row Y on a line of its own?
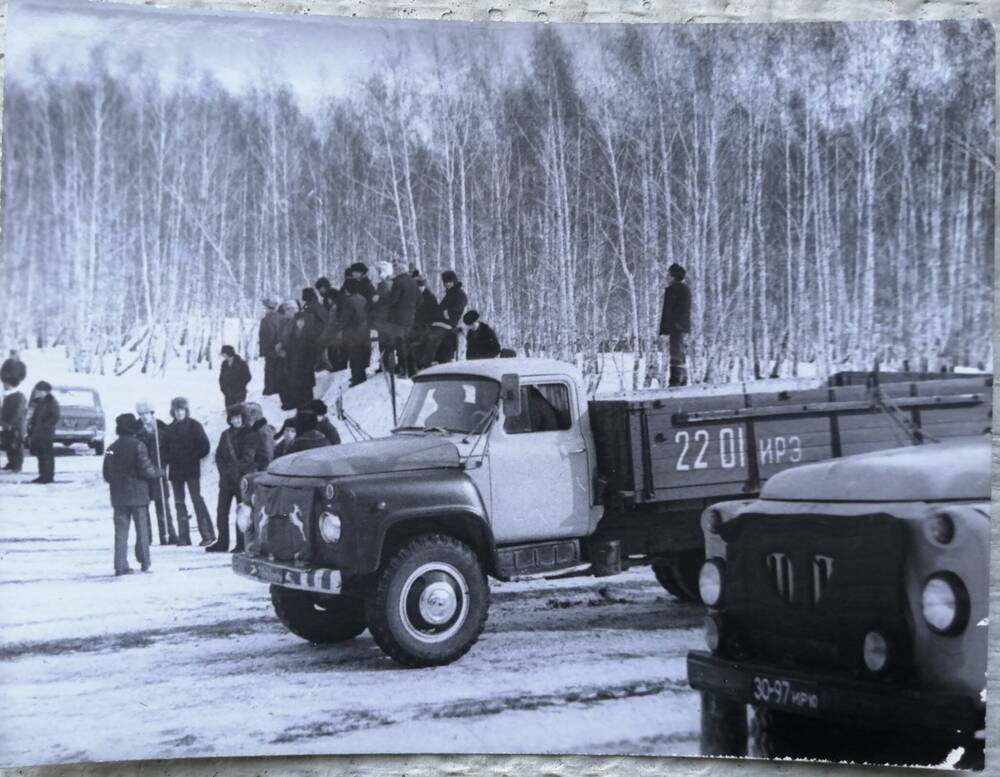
column 397, row 386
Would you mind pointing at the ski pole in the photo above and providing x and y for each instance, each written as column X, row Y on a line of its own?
column 159, row 480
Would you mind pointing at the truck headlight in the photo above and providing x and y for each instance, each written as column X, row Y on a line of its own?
column 875, row 651
column 945, row 603
column 329, row 527
column 329, row 491
column 710, row 582
column 244, row 517
column 940, row 528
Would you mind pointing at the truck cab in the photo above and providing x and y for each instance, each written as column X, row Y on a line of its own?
column 847, row 607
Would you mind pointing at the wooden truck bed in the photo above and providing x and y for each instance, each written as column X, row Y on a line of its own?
column 658, row 447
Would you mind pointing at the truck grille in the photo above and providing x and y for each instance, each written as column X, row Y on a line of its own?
column 282, row 523
column 804, row 590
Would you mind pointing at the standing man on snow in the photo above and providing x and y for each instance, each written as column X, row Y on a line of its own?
column 152, row 433
column 128, row 471
column 442, row 340
column 268, row 337
column 355, row 331
column 404, row 296
column 187, row 446
column 235, row 456
column 44, row 415
column 675, row 323
column 480, row 340
column 265, row 435
column 234, row 377
column 13, row 420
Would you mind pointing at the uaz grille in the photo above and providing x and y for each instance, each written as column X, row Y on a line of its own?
column 804, row 590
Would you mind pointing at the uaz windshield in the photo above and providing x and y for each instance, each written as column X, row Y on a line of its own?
column 456, row 404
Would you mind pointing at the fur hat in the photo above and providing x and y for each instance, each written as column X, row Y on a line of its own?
column 289, row 423
column 126, row 424
column 143, row 407
column 360, row 267
column 269, row 303
column 317, row 406
column 254, row 412
column 309, row 295
column 322, row 283
column 677, row 271
column 178, row 403
column 305, row 422
column 449, row 276
column 384, row 269
column 43, row 385
column 228, row 350
column 470, row 317
column 236, row 410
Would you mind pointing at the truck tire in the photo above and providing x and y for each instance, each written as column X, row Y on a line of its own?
column 776, row 734
column 324, row 620
column 98, row 448
column 429, row 603
column 679, row 577
column 723, row 726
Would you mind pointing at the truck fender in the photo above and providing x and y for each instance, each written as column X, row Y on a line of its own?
column 463, row 523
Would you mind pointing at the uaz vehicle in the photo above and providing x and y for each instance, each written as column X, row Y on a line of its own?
column 848, row 606
column 81, row 418
column 502, row 468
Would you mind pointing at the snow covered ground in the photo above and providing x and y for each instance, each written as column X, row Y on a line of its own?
column 190, row 660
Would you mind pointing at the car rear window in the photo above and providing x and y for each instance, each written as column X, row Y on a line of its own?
column 75, row 397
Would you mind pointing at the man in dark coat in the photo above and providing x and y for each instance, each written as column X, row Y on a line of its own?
column 300, row 356
column 269, row 336
column 187, row 445
column 328, row 295
column 284, row 438
column 265, row 435
column 355, row 332
column 307, row 435
column 287, row 311
column 128, row 470
column 316, row 317
column 442, row 340
column 13, row 370
column 675, row 322
column 234, row 376
column 358, row 272
column 13, row 425
column 318, row 408
column 153, row 434
column 43, row 416
column 404, row 296
column 235, row 456
column 480, row 340
column 426, row 315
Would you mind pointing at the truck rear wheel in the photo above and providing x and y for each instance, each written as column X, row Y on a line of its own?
column 320, row 619
column 429, row 603
column 679, row 576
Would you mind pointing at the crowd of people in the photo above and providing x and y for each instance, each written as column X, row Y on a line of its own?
column 332, row 328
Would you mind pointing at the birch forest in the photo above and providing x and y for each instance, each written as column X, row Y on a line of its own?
column 829, row 188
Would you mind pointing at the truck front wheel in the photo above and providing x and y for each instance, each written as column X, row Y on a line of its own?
column 319, row 619
column 429, row 603
column 679, row 576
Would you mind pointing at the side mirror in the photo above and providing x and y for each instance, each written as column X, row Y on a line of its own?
column 510, row 395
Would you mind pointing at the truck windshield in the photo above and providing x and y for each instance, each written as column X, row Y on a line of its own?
column 457, row 404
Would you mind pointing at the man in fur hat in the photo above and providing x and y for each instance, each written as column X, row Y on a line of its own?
column 128, row 470
column 187, row 446
column 43, row 416
column 153, row 435
column 480, row 340
column 235, row 456
column 234, row 377
column 323, row 425
column 268, row 338
column 675, row 323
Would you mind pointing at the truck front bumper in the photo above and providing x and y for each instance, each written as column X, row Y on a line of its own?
column 318, row 580
column 829, row 697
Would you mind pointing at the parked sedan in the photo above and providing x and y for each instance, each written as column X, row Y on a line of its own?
column 81, row 417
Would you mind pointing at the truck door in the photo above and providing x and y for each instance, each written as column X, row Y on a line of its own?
column 539, row 469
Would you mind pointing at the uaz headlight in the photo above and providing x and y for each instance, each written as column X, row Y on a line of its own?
column 244, row 516
column 710, row 582
column 945, row 603
column 329, row 527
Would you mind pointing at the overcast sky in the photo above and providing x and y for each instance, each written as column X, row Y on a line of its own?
column 318, row 54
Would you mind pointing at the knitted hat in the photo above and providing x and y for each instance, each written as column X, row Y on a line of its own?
column 677, row 271
column 228, row 350
column 317, row 406
column 448, row 276
column 126, row 424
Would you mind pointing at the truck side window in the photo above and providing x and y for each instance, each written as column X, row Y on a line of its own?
column 544, row 408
